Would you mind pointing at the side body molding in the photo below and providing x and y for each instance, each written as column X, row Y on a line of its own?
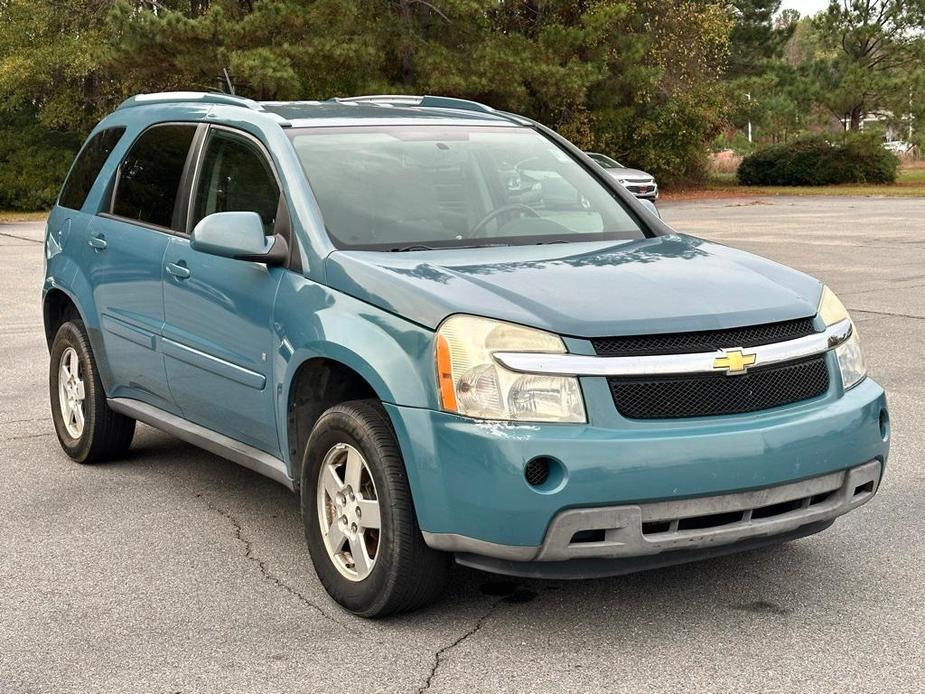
column 220, row 367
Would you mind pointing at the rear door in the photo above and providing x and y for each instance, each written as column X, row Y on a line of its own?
column 127, row 243
column 218, row 338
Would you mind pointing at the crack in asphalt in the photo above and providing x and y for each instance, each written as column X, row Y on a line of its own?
column 20, row 421
column 26, row 436
column 439, row 655
column 887, row 313
column 265, row 571
column 896, row 285
column 20, row 238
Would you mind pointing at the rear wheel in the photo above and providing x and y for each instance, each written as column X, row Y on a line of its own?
column 359, row 519
column 89, row 432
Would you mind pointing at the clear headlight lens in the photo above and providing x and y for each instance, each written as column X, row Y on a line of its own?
column 831, row 309
column 849, row 356
column 473, row 384
column 851, row 361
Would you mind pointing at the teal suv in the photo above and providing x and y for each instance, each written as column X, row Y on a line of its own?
column 453, row 334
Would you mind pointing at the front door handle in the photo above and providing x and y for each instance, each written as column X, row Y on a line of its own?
column 97, row 241
column 181, row 272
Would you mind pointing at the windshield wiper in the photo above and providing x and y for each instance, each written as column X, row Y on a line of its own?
column 423, row 247
column 411, row 247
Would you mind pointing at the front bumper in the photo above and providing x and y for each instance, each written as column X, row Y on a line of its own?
column 470, row 494
column 678, row 530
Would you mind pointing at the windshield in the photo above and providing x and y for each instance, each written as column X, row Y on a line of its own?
column 416, row 187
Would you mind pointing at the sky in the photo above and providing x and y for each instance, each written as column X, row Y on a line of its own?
column 805, row 6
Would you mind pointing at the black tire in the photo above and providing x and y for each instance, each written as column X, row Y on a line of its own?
column 407, row 574
column 106, row 434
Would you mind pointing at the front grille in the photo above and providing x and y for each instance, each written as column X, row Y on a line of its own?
column 702, row 395
column 704, row 341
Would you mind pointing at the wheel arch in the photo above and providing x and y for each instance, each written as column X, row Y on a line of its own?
column 59, row 303
column 58, row 306
column 318, row 383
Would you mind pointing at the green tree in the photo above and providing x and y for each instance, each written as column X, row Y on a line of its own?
column 33, row 160
column 757, row 37
column 669, row 127
column 50, row 59
column 872, row 57
column 639, row 79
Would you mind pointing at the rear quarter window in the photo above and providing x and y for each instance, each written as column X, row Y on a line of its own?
column 87, row 167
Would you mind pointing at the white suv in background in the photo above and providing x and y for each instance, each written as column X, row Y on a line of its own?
column 639, row 183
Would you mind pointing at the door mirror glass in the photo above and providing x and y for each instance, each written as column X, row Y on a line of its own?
column 238, row 235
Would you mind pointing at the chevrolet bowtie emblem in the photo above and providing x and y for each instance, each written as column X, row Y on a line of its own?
column 734, row 362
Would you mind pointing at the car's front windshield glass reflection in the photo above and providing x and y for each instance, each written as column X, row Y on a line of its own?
column 416, row 187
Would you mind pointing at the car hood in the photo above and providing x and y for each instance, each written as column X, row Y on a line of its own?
column 671, row 283
column 628, row 173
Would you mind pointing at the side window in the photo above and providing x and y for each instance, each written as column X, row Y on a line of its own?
column 149, row 176
column 236, row 177
column 87, row 167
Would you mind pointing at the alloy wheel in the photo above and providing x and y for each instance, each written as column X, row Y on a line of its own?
column 348, row 512
column 71, row 393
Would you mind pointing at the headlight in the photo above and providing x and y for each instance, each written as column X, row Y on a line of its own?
column 473, row 384
column 848, row 354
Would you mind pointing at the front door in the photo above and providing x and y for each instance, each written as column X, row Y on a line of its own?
column 126, row 247
column 218, row 336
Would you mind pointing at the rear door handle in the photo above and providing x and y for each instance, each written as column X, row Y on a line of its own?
column 181, row 272
column 97, row 241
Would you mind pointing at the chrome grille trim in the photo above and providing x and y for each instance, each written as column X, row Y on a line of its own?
column 668, row 364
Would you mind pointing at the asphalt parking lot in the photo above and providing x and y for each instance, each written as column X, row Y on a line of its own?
column 175, row 571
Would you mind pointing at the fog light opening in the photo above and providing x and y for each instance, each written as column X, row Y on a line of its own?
column 544, row 474
column 884, row 425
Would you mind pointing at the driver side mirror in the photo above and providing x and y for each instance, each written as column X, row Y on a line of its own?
column 238, row 235
column 649, row 205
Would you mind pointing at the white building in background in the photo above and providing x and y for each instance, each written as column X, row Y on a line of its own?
column 897, row 138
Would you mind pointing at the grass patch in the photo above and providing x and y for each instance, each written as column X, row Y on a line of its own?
column 16, row 216
column 910, row 183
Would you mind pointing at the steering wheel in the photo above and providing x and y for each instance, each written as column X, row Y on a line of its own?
column 497, row 212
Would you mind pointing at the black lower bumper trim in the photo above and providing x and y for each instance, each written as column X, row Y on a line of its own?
column 602, row 568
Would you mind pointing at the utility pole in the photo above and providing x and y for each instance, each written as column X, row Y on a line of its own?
column 911, row 117
column 749, row 97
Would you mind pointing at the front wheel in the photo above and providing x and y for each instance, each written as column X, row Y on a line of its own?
column 359, row 519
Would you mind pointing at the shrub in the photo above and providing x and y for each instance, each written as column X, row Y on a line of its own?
column 814, row 161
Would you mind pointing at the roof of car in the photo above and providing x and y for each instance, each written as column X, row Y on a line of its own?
column 374, row 109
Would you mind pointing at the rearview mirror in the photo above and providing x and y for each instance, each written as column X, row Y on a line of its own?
column 649, row 205
column 238, row 235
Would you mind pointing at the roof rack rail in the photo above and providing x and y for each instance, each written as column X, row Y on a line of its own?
column 419, row 101
column 190, row 97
